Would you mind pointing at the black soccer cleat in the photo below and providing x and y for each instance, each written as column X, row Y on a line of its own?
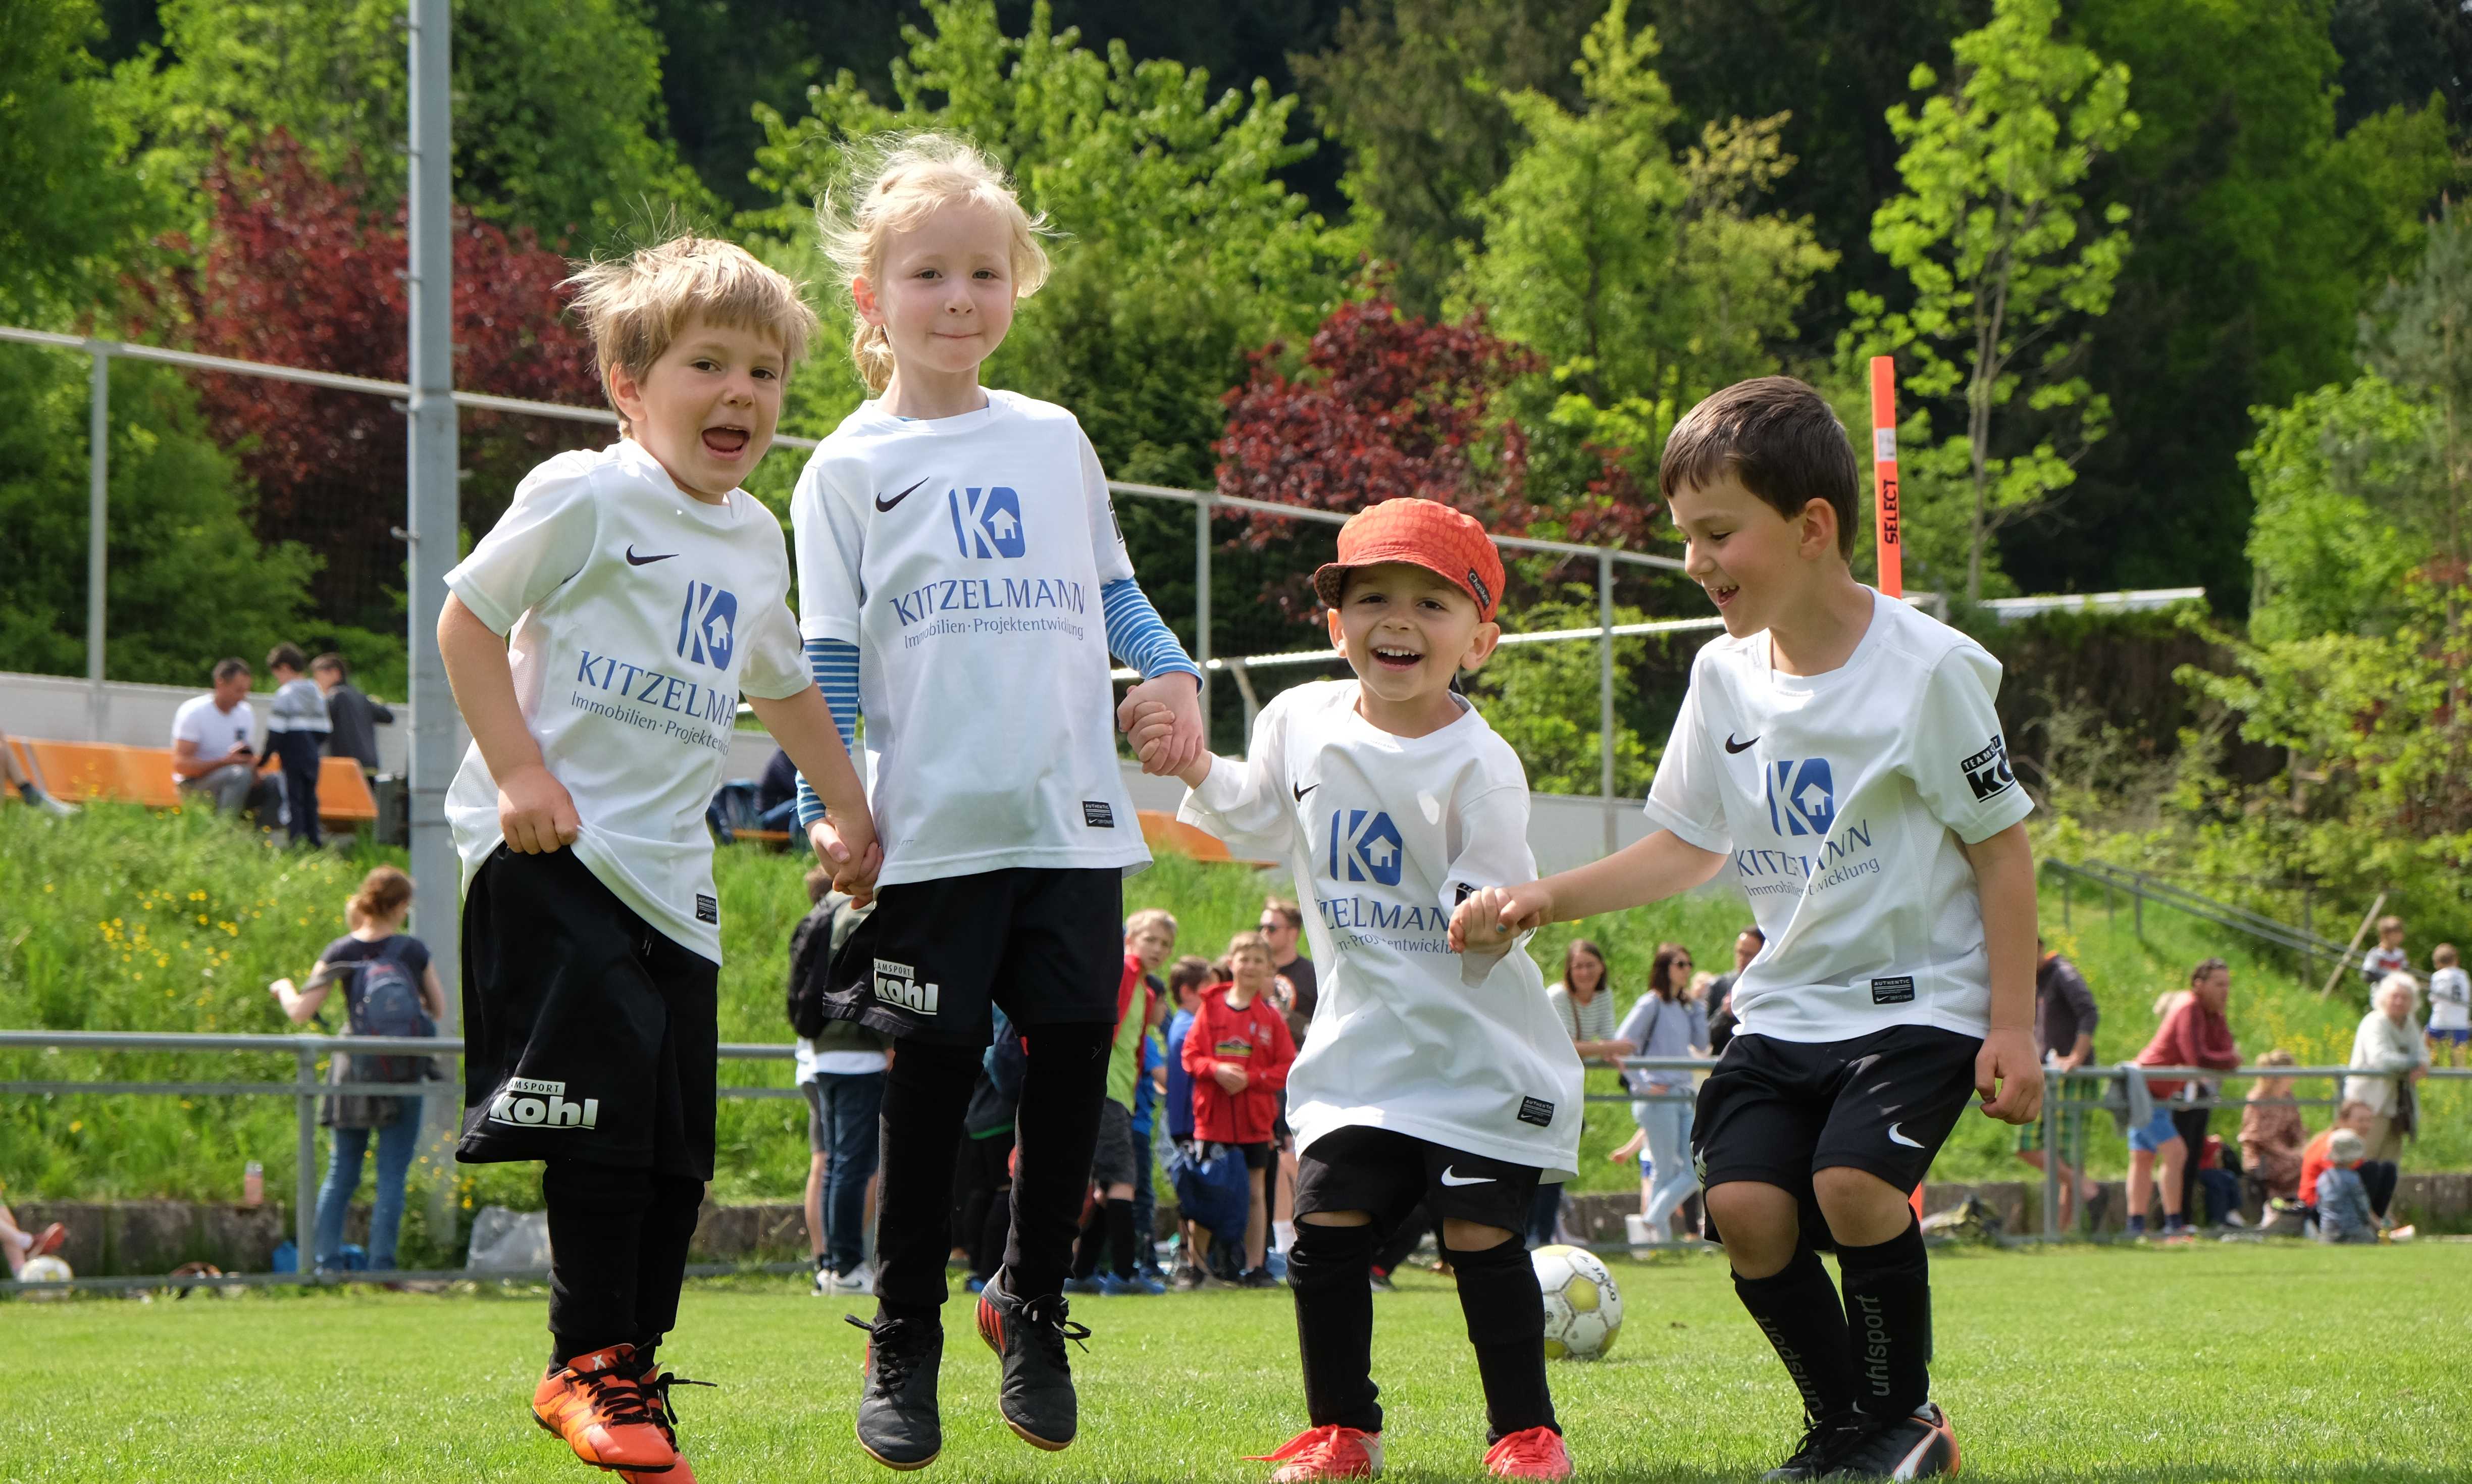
column 1919, row 1446
column 1817, row 1454
column 1036, row 1397
column 898, row 1423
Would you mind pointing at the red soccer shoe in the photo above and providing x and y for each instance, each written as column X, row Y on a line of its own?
column 1536, row 1454
column 1332, row 1452
column 603, row 1413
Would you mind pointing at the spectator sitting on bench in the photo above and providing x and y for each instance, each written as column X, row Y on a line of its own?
column 211, row 753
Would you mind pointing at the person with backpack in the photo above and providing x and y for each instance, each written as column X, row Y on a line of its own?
column 841, row 1071
column 390, row 989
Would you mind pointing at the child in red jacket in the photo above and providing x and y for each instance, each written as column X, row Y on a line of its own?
column 1239, row 1051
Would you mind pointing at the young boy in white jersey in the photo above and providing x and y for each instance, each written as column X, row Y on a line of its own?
column 1839, row 755
column 1427, row 1078
column 961, row 581
column 643, row 593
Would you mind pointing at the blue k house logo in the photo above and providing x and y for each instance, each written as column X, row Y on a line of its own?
column 1802, row 797
column 1365, row 846
column 708, row 626
column 986, row 522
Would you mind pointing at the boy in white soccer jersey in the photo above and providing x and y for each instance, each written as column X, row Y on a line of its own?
column 1427, row 1077
column 1837, row 756
column 962, row 578
column 643, row 593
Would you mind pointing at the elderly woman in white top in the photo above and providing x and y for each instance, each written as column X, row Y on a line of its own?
column 2388, row 1043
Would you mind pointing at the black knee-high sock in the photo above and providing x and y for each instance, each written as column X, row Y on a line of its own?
column 1328, row 1268
column 1796, row 1308
column 596, row 1228
column 926, row 1092
column 1087, row 1241
column 1505, row 1322
column 669, row 1227
column 1120, row 1235
column 1057, row 1129
column 1888, row 1310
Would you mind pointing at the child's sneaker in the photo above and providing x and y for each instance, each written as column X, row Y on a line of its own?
column 665, row 1416
column 898, row 1421
column 1531, row 1453
column 1919, row 1446
column 1817, row 1454
column 857, row 1282
column 1036, row 1397
column 1332, row 1452
column 1258, row 1277
column 598, row 1406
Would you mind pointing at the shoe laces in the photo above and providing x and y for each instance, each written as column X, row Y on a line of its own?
column 893, row 1348
column 1530, row 1453
column 1325, row 1447
column 665, row 1410
column 1822, row 1440
column 615, row 1399
column 1045, row 1318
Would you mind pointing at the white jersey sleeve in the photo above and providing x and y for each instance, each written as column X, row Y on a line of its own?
column 1244, row 801
column 1493, row 850
column 544, row 539
column 1687, row 793
column 1958, row 759
column 776, row 662
column 831, row 539
column 1107, row 537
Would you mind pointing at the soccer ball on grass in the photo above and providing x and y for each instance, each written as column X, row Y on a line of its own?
column 1582, row 1306
column 47, row 1269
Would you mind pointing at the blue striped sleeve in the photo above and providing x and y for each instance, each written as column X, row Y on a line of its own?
column 833, row 663
column 1138, row 637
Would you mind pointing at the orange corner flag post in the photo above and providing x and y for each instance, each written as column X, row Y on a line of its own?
column 1883, row 474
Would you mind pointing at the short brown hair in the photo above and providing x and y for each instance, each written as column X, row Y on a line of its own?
column 1189, row 972
column 1289, row 911
column 1250, row 941
column 633, row 306
column 330, row 660
column 1778, row 438
column 225, row 669
column 286, row 657
column 819, row 883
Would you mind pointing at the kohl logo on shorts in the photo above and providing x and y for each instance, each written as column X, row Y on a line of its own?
column 899, row 984
column 986, row 522
column 1365, row 846
column 708, row 626
column 526, row 1103
column 1987, row 772
column 1802, row 797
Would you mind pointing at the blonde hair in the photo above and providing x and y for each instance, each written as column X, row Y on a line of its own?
column 2443, row 956
column 1250, row 941
column 896, row 182
column 1149, row 917
column 633, row 306
column 384, row 892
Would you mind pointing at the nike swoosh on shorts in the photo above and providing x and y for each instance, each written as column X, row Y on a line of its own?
column 1450, row 1179
column 1896, row 1138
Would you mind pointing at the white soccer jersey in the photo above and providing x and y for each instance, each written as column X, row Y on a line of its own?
column 638, row 613
column 964, row 557
column 1840, row 799
column 1385, row 835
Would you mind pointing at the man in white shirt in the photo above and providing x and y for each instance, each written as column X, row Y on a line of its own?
column 211, row 751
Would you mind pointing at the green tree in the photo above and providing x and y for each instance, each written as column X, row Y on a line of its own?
column 558, row 122
column 1647, row 279
column 74, row 225
column 2325, row 559
column 2005, row 273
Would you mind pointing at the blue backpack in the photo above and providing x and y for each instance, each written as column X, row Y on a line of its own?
column 388, row 1004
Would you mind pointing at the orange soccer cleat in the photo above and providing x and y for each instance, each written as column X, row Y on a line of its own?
column 1534, row 1453
column 1331, row 1453
column 597, row 1404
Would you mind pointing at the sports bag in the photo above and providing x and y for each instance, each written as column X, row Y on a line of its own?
column 388, row 1004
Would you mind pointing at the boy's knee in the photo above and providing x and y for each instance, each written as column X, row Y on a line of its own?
column 1472, row 1237
column 1760, row 1225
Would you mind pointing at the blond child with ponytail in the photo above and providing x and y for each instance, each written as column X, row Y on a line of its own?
column 376, row 951
column 962, row 581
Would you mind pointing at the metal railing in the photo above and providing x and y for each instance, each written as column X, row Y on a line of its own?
column 2306, row 945
column 306, row 1087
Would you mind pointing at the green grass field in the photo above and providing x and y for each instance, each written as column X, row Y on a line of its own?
column 2214, row 1362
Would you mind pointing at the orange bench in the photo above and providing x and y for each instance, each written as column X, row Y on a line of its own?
column 114, row 771
column 1164, row 831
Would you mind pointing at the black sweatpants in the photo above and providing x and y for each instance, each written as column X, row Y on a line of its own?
column 618, row 1241
column 299, row 754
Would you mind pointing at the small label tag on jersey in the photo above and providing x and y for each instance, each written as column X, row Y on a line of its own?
column 1899, row 990
column 1461, row 892
column 1536, row 1110
column 1098, row 815
column 707, row 908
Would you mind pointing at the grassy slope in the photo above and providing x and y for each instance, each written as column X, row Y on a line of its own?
column 125, row 921
column 2262, row 1364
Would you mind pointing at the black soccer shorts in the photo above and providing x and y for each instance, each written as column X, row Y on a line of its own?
column 1048, row 945
column 1385, row 1173
column 588, row 1032
column 1778, row 1111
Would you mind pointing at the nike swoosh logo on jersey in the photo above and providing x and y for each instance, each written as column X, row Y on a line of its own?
column 1303, row 789
column 883, row 505
column 634, row 560
column 1450, row 1179
column 1733, row 746
column 1896, row 1138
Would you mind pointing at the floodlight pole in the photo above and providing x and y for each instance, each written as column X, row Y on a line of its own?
column 98, row 500
column 433, row 528
column 1606, row 695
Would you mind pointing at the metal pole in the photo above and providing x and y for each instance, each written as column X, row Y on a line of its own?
column 1605, row 693
column 98, row 498
column 2057, row 1090
column 1201, row 606
column 432, row 526
column 304, row 1181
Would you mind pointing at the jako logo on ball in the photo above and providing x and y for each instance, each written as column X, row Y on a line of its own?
column 542, row 1104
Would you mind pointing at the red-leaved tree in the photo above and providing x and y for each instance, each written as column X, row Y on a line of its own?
column 297, row 273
